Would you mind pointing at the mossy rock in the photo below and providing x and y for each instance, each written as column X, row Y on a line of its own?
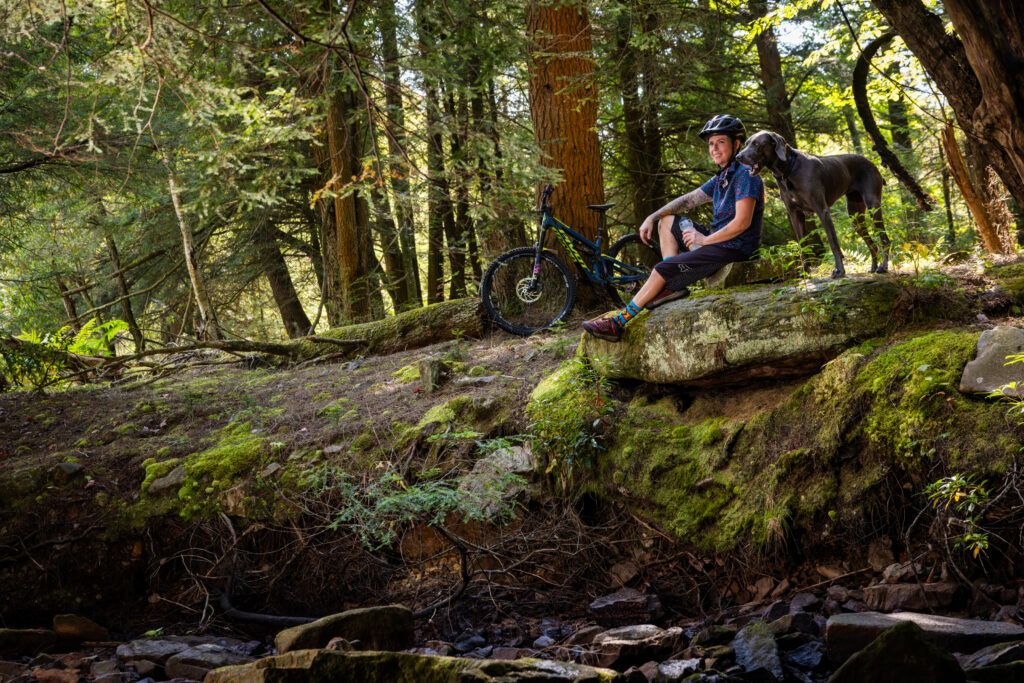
column 1011, row 278
column 736, row 336
column 814, row 461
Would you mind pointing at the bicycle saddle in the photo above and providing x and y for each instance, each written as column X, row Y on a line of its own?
column 600, row 207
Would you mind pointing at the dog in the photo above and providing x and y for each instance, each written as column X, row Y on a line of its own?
column 812, row 184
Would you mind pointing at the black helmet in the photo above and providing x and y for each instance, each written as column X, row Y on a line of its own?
column 724, row 124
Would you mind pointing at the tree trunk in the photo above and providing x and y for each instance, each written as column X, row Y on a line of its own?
column 851, row 125
column 126, row 302
column 980, row 76
column 860, row 96
column 903, row 146
column 344, row 146
column 69, row 303
column 772, row 79
column 293, row 316
column 640, row 115
column 208, row 327
column 563, row 109
column 955, row 162
column 457, row 231
column 394, row 265
column 397, row 150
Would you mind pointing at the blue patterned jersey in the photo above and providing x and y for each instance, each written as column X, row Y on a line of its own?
column 725, row 189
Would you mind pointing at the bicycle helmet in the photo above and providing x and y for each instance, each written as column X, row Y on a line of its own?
column 724, row 124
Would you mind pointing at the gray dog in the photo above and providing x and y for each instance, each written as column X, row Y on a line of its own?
column 811, row 184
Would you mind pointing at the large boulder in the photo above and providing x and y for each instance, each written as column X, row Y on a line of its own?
column 376, row 628
column 750, row 272
column 901, row 653
column 323, row 666
column 738, row 335
column 989, row 372
column 846, row 634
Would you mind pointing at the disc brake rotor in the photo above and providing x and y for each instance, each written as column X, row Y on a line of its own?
column 527, row 290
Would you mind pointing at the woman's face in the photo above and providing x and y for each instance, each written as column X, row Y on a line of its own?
column 721, row 147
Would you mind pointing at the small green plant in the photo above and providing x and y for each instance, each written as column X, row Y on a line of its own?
column 377, row 510
column 566, row 427
column 961, row 501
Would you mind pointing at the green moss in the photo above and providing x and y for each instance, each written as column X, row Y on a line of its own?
column 125, row 428
column 408, row 373
column 214, row 470
column 478, row 371
column 334, row 408
column 815, row 459
column 446, row 412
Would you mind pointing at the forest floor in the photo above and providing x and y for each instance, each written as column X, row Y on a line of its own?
column 83, row 457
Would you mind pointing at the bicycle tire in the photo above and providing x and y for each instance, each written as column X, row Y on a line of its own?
column 632, row 251
column 517, row 309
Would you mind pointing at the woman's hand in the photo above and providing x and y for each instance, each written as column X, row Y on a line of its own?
column 646, row 228
column 692, row 237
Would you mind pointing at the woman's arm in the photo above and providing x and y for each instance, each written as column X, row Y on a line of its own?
column 739, row 223
column 687, row 202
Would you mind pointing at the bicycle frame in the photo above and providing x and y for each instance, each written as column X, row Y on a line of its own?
column 597, row 272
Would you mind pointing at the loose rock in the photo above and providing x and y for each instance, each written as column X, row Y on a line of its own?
column 755, row 649
column 846, row 634
column 377, row 628
column 901, row 653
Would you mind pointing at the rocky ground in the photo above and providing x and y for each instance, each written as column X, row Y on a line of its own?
column 828, row 632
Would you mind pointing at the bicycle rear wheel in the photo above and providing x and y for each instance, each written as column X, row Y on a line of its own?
column 641, row 258
column 521, row 302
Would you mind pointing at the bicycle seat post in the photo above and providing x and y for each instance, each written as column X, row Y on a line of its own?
column 602, row 229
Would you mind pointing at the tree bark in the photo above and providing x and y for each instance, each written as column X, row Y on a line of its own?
column 126, row 302
column 394, row 127
column 979, row 76
column 69, row 303
column 208, row 325
column 563, row 109
column 641, row 123
column 772, row 79
column 860, row 96
column 957, row 167
column 457, row 231
column 344, row 147
column 384, row 226
column 293, row 316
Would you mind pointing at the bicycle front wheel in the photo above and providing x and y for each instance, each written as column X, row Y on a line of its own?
column 639, row 260
column 521, row 301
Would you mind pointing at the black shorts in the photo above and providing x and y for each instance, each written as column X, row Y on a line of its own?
column 689, row 266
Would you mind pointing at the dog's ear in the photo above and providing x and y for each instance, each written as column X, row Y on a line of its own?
column 780, row 146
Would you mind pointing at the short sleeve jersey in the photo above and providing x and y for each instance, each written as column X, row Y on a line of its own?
column 725, row 189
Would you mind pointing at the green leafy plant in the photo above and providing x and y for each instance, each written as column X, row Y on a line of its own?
column 566, row 428
column 961, row 502
column 377, row 510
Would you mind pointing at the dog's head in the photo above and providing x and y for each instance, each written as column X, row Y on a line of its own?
column 761, row 150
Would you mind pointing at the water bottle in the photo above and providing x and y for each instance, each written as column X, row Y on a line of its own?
column 686, row 224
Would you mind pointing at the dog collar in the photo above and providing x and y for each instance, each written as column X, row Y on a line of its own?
column 790, row 163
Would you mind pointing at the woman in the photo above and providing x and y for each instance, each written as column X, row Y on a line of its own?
column 690, row 251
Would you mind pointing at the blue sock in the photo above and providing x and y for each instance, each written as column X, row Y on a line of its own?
column 628, row 313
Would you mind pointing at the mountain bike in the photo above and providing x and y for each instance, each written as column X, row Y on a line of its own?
column 530, row 288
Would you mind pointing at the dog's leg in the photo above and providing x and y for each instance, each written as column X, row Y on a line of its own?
column 833, row 241
column 857, row 209
column 883, row 237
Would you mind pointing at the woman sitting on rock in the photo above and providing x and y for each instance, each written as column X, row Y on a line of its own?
column 734, row 235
